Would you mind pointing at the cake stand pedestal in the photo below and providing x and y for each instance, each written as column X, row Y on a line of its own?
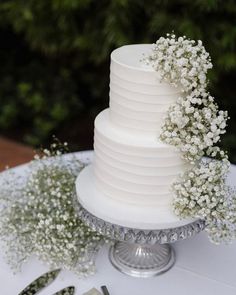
column 140, row 253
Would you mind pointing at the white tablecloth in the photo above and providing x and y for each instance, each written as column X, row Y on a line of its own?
column 200, row 268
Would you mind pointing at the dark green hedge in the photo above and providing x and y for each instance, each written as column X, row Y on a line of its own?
column 54, row 71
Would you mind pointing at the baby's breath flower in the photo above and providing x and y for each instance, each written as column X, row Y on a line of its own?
column 180, row 61
column 39, row 216
column 216, row 204
column 194, row 124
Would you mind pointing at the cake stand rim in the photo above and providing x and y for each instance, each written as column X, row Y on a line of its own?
column 139, row 236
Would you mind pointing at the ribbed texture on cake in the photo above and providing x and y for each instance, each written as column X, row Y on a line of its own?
column 131, row 165
column 133, row 169
column 138, row 100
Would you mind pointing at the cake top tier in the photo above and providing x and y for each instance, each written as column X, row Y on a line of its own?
column 127, row 64
column 139, row 99
column 131, row 56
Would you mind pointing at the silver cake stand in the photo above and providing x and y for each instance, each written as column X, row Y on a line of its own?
column 140, row 253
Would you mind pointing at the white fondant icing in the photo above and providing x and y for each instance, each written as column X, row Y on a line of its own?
column 133, row 177
column 112, row 132
column 117, row 212
column 142, row 97
column 139, row 170
column 157, row 162
column 138, row 98
column 126, row 171
column 128, row 197
column 130, row 180
column 126, row 64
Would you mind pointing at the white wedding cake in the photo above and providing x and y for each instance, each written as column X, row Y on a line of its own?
column 129, row 181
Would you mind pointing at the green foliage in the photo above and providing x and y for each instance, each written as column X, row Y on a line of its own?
column 55, row 56
column 38, row 215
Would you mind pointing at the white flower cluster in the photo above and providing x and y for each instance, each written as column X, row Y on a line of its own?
column 42, row 220
column 194, row 125
column 181, row 61
column 202, row 193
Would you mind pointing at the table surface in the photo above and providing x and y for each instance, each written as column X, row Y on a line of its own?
column 200, row 268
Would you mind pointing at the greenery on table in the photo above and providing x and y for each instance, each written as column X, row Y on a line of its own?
column 38, row 215
column 55, row 58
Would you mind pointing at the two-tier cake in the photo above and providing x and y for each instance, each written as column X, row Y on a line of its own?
column 129, row 181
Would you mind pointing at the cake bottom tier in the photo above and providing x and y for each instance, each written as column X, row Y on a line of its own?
column 128, row 215
column 134, row 169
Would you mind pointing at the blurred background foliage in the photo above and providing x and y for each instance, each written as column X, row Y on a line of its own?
column 55, row 55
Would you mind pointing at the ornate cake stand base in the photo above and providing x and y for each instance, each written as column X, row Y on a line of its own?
column 141, row 261
column 138, row 252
